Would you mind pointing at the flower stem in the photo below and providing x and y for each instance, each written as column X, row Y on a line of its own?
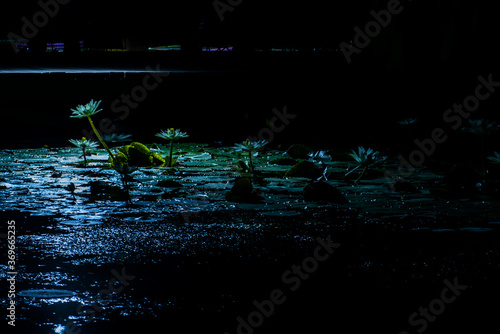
column 170, row 162
column 84, row 157
column 100, row 139
column 251, row 162
column 125, row 187
column 483, row 157
column 361, row 175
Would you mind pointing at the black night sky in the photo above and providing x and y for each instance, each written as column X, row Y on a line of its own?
column 421, row 28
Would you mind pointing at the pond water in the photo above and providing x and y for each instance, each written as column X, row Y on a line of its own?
column 182, row 257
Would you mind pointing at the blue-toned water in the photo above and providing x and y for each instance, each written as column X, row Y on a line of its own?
column 187, row 259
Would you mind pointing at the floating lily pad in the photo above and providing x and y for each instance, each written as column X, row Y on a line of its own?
column 216, row 186
column 203, row 156
column 442, row 230
column 281, row 213
column 86, row 217
column 420, row 229
column 421, row 199
column 46, row 293
column 476, row 229
column 80, row 222
column 169, row 184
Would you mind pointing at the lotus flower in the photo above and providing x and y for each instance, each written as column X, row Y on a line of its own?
column 481, row 127
column 365, row 158
column 116, row 138
column 250, row 147
column 85, row 145
column 495, row 158
column 87, row 110
column 171, row 134
column 407, row 121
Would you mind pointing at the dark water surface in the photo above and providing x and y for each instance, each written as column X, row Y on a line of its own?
column 190, row 261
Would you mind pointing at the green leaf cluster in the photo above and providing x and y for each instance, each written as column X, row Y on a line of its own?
column 137, row 155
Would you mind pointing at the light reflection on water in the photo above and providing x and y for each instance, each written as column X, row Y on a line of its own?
column 86, row 237
column 59, row 329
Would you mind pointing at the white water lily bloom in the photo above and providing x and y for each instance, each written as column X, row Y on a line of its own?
column 172, row 134
column 250, row 146
column 320, row 155
column 366, row 157
column 116, row 138
column 84, row 143
column 407, row 121
column 87, row 110
column 481, row 126
column 495, row 158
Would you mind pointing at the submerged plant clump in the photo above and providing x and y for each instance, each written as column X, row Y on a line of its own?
column 171, row 135
column 243, row 192
column 137, row 155
column 304, row 169
column 85, row 145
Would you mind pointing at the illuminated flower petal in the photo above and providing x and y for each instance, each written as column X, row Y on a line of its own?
column 87, row 110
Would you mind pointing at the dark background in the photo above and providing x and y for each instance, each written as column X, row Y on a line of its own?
column 428, row 58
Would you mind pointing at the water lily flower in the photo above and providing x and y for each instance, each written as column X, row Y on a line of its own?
column 407, row 121
column 172, row 135
column 495, row 158
column 85, row 144
column 116, row 138
column 481, row 126
column 365, row 158
column 87, row 110
column 320, row 155
column 250, row 147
